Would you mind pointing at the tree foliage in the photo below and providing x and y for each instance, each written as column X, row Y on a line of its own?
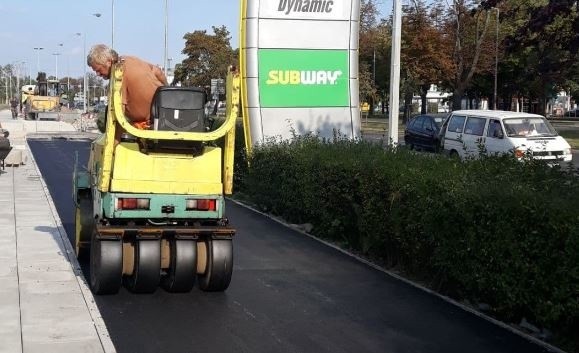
column 208, row 57
column 425, row 48
column 374, row 54
column 541, row 46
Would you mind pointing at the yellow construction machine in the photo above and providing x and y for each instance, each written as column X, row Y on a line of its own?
column 43, row 100
column 152, row 209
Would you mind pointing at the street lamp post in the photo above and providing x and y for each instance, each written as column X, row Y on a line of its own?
column 84, row 64
column 56, row 64
column 84, row 69
column 112, row 24
column 38, row 49
column 165, row 63
column 496, row 60
column 27, row 72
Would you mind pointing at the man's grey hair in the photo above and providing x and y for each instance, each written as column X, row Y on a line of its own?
column 100, row 54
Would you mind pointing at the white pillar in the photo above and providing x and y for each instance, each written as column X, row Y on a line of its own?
column 395, row 74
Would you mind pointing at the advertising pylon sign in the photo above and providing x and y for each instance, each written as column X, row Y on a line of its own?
column 299, row 66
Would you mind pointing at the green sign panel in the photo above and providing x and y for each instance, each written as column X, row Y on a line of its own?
column 303, row 78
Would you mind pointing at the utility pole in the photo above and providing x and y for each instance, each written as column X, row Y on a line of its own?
column 374, row 67
column 395, row 74
column 84, row 69
column 56, row 64
column 112, row 24
column 496, row 60
column 18, row 68
column 165, row 56
column 38, row 49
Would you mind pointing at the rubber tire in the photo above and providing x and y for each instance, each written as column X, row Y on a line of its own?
column 147, row 272
column 219, row 267
column 84, row 226
column 182, row 270
column 106, row 265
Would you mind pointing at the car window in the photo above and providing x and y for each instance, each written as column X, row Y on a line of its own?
column 438, row 122
column 475, row 126
column 495, row 130
column 528, row 127
column 456, row 123
column 418, row 125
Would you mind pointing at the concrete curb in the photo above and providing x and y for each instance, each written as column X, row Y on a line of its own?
column 100, row 326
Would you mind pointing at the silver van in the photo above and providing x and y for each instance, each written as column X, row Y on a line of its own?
column 470, row 133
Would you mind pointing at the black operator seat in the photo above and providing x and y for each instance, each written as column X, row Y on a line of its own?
column 178, row 109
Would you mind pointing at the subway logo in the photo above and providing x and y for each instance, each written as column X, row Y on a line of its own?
column 294, row 77
column 304, row 78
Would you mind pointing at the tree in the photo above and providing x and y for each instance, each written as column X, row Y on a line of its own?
column 374, row 54
column 208, row 57
column 423, row 48
column 467, row 26
column 541, row 47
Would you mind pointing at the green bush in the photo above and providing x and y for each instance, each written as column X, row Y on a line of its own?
column 493, row 230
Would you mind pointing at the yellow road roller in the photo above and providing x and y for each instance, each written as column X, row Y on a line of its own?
column 150, row 210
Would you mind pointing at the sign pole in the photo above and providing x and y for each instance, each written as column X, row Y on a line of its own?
column 395, row 75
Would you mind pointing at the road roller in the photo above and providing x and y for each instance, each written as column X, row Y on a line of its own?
column 150, row 209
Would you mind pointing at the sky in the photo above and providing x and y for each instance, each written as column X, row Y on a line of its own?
column 139, row 29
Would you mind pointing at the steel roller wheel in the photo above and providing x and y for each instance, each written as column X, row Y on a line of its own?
column 147, row 271
column 182, row 271
column 106, row 265
column 219, row 265
column 84, row 225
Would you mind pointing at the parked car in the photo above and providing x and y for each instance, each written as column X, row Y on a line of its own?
column 573, row 113
column 468, row 133
column 422, row 132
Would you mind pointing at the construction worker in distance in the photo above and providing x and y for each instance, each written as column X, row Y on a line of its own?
column 14, row 107
column 140, row 81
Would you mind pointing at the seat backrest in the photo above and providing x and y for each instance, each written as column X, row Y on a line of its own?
column 178, row 109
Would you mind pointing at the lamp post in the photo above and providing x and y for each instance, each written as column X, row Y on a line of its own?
column 27, row 72
column 84, row 64
column 112, row 24
column 84, row 69
column 56, row 64
column 165, row 63
column 38, row 49
column 496, row 60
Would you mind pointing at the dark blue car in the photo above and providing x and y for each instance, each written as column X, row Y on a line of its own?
column 422, row 132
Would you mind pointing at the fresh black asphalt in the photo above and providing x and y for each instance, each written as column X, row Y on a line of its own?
column 289, row 293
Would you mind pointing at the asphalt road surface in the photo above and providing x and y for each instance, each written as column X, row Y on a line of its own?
column 289, row 293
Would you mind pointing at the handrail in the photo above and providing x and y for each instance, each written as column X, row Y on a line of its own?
column 120, row 117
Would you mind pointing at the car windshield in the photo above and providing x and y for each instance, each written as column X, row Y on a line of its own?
column 438, row 121
column 528, row 127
